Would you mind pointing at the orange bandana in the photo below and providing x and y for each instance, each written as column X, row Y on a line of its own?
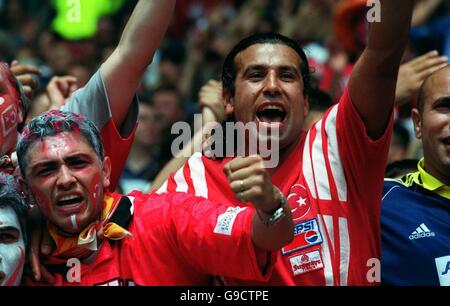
column 116, row 210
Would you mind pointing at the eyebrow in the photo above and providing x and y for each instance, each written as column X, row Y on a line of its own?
column 265, row 67
column 77, row 157
column 55, row 163
column 442, row 100
column 43, row 164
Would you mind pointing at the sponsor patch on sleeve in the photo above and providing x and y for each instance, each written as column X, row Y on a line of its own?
column 443, row 270
column 306, row 262
column 226, row 220
column 306, row 234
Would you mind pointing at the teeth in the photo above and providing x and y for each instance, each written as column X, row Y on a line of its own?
column 68, row 198
column 275, row 107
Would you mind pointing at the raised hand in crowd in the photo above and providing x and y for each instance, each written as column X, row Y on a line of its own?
column 412, row 74
column 26, row 75
column 59, row 90
column 211, row 101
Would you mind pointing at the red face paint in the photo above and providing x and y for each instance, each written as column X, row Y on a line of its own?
column 64, row 174
column 95, row 195
column 16, row 276
column 9, row 107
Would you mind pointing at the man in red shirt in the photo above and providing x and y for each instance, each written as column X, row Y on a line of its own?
column 108, row 99
column 173, row 239
column 333, row 174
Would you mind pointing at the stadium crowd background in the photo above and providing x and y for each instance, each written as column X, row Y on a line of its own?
column 201, row 34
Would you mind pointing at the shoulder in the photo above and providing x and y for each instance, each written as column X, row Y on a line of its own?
column 392, row 186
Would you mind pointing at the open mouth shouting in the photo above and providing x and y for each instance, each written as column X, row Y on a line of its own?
column 271, row 114
column 70, row 203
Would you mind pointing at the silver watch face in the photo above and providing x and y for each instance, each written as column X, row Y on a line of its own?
column 279, row 213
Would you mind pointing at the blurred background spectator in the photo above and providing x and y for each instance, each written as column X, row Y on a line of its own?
column 73, row 37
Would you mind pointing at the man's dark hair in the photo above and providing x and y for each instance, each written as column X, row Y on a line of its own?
column 167, row 88
column 399, row 168
column 229, row 67
column 319, row 100
column 144, row 98
column 52, row 123
column 10, row 196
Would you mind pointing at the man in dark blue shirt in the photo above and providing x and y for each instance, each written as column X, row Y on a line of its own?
column 416, row 209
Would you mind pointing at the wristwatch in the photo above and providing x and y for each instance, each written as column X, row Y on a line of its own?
column 279, row 213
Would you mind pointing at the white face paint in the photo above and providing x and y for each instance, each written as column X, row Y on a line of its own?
column 12, row 248
column 73, row 219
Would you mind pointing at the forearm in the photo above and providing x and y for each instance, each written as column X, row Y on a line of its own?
column 389, row 37
column 144, row 32
column 373, row 80
column 272, row 237
column 123, row 70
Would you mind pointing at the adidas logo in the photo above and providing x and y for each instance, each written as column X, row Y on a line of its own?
column 421, row 232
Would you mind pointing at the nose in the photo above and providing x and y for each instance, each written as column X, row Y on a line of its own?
column 66, row 180
column 272, row 84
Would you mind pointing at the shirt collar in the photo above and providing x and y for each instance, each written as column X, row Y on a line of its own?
column 429, row 182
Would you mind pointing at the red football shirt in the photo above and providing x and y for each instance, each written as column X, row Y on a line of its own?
column 178, row 239
column 333, row 181
column 117, row 148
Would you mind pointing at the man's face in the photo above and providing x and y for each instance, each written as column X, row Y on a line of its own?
column 10, row 114
column 148, row 132
column 433, row 125
column 67, row 180
column 168, row 107
column 12, row 248
column 269, row 90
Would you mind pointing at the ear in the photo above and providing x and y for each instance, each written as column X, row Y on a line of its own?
column 22, row 184
column 20, row 117
column 417, row 122
column 106, row 171
column 305, row 106
column 228, row 103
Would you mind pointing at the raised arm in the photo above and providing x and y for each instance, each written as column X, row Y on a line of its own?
column 123, row 70
column 373, row 80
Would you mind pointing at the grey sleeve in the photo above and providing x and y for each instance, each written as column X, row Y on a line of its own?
column 92, row 102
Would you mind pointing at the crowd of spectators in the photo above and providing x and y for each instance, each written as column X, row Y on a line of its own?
column 62, row 40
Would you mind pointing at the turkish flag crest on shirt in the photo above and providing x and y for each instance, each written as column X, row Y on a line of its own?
column 299, row 202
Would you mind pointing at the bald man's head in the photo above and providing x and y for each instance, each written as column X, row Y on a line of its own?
column 432, row 84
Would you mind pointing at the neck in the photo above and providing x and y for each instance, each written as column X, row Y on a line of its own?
column 440, row 174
